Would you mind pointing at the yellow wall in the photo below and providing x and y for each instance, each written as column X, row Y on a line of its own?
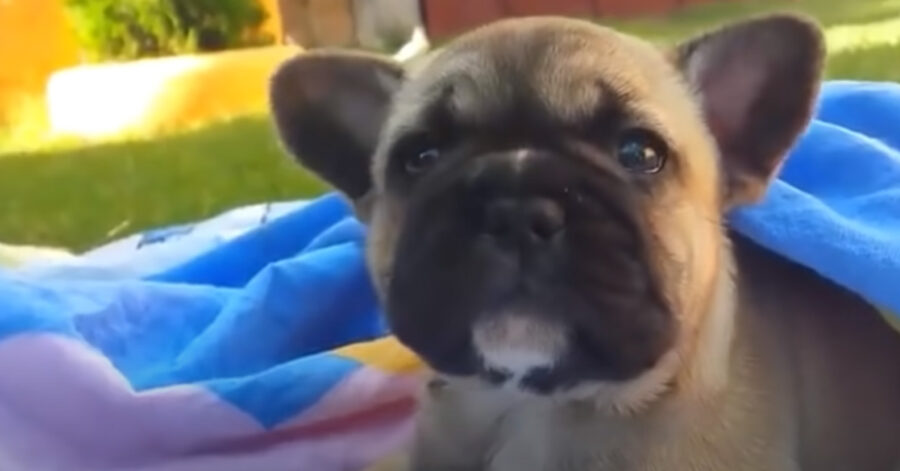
column 273, row 22
column 35, row 40
column 163, row 94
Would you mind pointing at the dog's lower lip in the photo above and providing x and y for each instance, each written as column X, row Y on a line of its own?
column 541, row 381
column 496, row 376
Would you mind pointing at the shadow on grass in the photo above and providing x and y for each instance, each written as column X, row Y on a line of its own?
column 872, row 62
column 692, row 19
column 81, row 197
column 696, row 18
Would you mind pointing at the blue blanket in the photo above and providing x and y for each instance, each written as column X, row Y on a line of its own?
column 266, row 350
column 835, row 207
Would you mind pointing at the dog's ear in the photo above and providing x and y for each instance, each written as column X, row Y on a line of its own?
column 757, row 82
column 329, row 107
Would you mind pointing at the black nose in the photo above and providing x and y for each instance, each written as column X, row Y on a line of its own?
column 531, row 219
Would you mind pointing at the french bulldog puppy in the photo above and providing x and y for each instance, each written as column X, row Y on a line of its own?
column 545, row 200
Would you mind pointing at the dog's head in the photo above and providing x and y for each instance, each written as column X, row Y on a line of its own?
column 545, row 195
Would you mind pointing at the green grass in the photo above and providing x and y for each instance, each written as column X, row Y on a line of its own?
column 74, row 195
column 863, row 36
column 80, row 197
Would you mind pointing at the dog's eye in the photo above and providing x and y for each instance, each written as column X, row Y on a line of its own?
column 641, row 151
column 418, row 162
column 416, row 152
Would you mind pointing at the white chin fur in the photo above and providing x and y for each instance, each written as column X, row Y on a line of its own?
column 518, row 362
column 518, row 344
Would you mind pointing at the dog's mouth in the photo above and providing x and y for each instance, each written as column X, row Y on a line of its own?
column 525, row 352
column 556, row 340
column 497, row 320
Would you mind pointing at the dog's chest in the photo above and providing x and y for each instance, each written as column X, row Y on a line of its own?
column 536, row 439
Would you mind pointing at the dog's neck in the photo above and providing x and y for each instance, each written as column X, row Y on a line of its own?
column 708, row 357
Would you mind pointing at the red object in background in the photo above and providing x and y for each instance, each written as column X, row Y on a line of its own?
column 635, row 7
column 449, row 17
column 444, row 18
column 548, row 7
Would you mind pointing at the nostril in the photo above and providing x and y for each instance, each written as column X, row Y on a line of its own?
column 534, row 219
column 546, row 218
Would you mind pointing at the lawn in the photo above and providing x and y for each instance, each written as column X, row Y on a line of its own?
column 80, row 197
column 77, row 196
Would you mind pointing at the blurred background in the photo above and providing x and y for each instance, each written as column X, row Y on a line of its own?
column 121, row 115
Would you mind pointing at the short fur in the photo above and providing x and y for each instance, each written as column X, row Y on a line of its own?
column 580, row 316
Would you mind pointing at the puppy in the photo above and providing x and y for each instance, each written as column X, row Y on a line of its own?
column 545, row 201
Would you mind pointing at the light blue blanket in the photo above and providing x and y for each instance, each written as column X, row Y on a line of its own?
column 196, row 352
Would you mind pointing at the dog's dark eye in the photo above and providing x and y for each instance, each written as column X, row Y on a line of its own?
column 642, row 151
column 418, row 162
column 416, row 152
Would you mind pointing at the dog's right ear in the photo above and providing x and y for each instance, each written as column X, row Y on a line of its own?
column 329, row 107
column 756, row 81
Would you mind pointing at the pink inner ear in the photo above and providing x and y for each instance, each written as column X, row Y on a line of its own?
column 728, row 89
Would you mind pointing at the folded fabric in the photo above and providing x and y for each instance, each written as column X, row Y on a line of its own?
column 264, row 349
column 156, row 251
column 836, row 204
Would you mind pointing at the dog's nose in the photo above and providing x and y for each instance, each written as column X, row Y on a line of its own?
column 530, row 219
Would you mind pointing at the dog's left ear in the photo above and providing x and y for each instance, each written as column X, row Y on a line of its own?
column 757, row 82
column 329, row 107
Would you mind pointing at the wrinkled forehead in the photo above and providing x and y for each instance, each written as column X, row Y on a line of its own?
column 562, row 74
